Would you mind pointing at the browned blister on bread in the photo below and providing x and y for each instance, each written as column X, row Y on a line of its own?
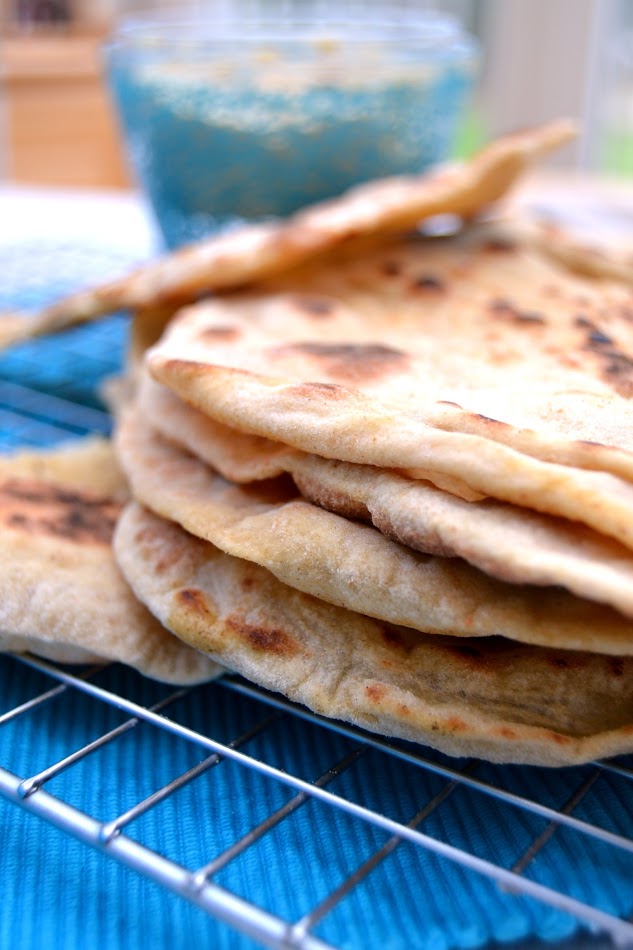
column 62, row 595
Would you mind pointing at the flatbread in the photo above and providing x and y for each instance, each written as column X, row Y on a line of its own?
column 239, row 257
column 509, row 543
column 239, row 456
column 492, row 698
column 61, row 593
column 87, row 463
column 353, row 565
column 583, row 220
column 602, row 259
column 467, row 357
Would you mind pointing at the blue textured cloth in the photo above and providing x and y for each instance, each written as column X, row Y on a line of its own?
column 57, row 893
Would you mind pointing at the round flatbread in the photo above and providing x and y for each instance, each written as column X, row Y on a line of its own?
column 492, row 698
column 62, row 595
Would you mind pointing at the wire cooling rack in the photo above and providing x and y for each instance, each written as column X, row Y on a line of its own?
column 289, row 830
column 197, row 885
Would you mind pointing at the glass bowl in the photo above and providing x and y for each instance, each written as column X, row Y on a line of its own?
column 259, row 109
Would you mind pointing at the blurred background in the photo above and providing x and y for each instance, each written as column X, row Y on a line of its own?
column 541, row 59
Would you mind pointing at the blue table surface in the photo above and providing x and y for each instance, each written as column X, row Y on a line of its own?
column 57, row 893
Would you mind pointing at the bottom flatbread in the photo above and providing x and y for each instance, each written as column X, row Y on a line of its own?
column 62, row 595
column 492, row 698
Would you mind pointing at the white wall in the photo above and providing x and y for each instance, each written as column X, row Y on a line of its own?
column 546, row 59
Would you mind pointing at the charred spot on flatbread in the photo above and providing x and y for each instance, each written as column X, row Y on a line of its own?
column 219, row 333
column 616, row 665
column 598, row 338
column 391, row 268
column 42, row 508
column 471, row 657
column 349, row 360
column 501, row 307
column 428, row 282
column 618, row 372
column 615, row 366
column 500, row 245
column 191, row 599
column 314, row 305
column 375, row 692
column 262, row 637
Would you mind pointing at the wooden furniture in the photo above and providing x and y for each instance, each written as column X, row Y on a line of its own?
column 59, row 125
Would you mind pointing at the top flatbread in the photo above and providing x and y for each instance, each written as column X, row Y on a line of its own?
column 234, row 259
column 61, row 593
column 475, row 357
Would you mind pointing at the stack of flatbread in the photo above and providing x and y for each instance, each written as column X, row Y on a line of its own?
column 387, row 470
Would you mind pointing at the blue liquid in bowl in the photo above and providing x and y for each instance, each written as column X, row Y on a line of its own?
column 215, row 142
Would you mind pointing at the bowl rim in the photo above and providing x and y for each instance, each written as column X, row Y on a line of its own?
column 385, row 24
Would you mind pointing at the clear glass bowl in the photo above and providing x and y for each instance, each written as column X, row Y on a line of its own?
column 259, row 109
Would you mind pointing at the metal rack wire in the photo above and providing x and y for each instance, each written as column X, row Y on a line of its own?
column 438, row 791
